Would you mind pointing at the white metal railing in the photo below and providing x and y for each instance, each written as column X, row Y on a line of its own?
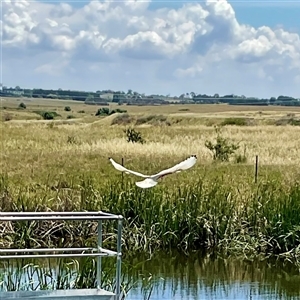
column 98, row 252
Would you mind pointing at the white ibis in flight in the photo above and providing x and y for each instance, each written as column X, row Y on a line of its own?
column 152, row 180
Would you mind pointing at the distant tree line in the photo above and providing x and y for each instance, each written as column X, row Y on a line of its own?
column 49, row 94
column 135, row 98
column 242, row 100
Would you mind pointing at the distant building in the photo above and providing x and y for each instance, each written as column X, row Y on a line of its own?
column 12, row 91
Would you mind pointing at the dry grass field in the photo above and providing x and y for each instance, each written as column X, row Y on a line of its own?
column 171, row 133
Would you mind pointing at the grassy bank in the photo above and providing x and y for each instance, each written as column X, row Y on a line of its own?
column 64, row 167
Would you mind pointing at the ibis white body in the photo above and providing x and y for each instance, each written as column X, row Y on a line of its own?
column 152, row 180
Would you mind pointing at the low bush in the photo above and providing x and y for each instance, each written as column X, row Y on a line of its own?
column 235, row 121
column 123, row 119
column 22, row 105
column 104, row 111
column 47, row 115
column 153, row 120
column 133, row 136
column 222, row 148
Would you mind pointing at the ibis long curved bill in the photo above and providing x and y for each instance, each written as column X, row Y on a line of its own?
column 152, row 180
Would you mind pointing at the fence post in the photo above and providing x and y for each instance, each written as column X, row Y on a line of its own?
column 256, row 169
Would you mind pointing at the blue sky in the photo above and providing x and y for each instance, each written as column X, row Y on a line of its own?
column 269, row 14
column 166, row 47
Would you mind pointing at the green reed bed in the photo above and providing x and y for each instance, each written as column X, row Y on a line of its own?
column 216, row 212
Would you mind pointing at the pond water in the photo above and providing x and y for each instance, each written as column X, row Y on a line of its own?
column 206, row 276
column 199, row 276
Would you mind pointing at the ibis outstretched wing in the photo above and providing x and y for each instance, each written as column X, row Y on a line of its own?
column 123, row 169
column 184, row 165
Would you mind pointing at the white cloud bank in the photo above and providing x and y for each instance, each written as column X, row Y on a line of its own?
column 125, row 45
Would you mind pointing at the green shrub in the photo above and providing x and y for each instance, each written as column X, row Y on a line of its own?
column 222, row 148
column 22, row 105
column 118, row 110
column 294, row 122
column 47, row 115
column 133, row 136
column 288, row 121
column 153, row 120
column 104, row 111
column 71, row 139
column 235, row 121
column 67, row 108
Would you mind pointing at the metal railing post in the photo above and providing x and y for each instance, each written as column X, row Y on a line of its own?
column 99, row 259
column 119, row 258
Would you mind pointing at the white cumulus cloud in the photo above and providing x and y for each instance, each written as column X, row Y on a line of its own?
column 198, row 47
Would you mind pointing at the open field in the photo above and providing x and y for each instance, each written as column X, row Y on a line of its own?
column 207, row 114
column 62, row 164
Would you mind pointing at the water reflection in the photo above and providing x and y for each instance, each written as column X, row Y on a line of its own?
column 199, row 276
column 174, row 276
